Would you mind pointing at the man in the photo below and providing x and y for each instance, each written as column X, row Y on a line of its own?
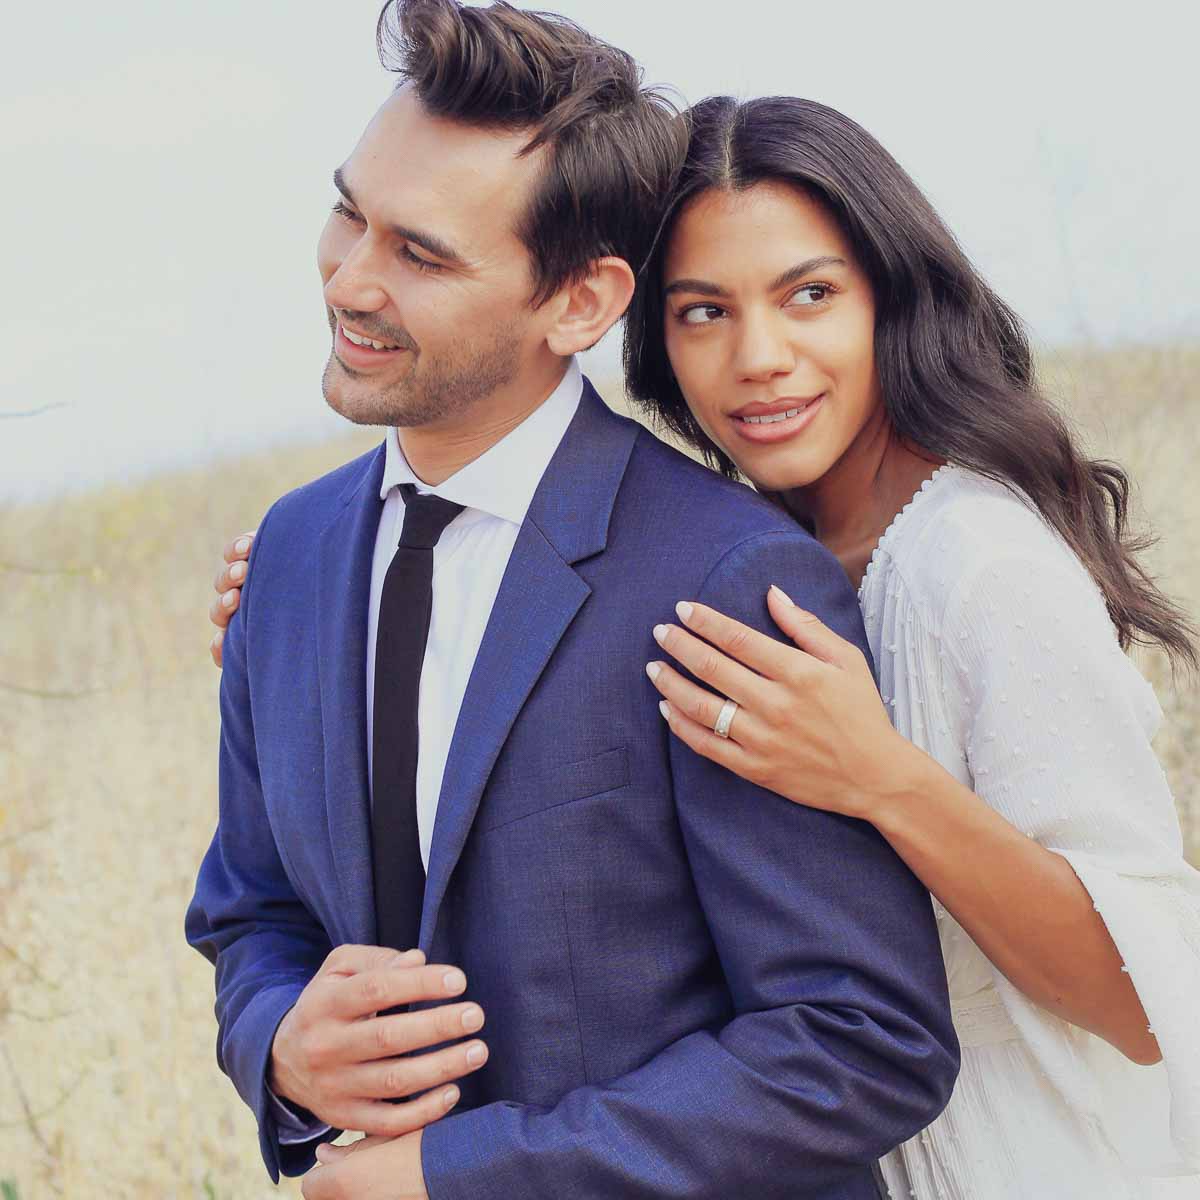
column 692, row 988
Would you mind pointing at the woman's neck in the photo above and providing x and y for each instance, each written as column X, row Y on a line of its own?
column 852, row 504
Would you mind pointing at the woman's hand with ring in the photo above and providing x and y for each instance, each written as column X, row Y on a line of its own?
column 810, row 724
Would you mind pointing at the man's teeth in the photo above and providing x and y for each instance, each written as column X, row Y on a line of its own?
column 358, row 340
column 771, row 418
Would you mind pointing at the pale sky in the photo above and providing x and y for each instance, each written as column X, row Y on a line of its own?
column 169, row 165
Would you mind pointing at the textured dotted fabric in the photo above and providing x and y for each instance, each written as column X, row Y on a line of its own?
column 995, row 654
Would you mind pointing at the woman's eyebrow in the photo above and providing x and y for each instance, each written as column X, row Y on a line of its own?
column 796, row 273
column 703, row 287
column 700, row 286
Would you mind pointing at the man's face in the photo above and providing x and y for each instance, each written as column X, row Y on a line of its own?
column 421, row 255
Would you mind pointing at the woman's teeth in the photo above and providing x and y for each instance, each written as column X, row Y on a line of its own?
column 359, row 340
column 771, row 418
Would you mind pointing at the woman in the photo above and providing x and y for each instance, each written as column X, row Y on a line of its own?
column 808, row 321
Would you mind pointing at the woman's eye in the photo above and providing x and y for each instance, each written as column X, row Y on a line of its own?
column 811, row 293
column 343, row 211
column 700, row 314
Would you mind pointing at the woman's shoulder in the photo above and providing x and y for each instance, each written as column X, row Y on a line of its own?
column 965, row 532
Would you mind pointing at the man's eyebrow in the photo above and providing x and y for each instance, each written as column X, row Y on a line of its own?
column 702, row 287
column 427, row 241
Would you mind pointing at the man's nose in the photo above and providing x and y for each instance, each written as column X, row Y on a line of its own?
column 764, row 349
column 355, row 284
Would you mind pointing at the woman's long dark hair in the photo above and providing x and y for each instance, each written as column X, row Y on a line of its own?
column 953, row 361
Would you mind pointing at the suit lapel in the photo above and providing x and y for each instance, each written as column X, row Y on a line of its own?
column 344, row 558
column 538, row 599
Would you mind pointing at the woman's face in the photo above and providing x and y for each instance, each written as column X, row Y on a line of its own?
column 770, row 327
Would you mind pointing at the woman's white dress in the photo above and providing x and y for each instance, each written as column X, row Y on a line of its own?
column 995, row 654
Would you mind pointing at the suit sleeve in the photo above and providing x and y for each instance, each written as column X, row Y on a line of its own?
column 245, row 916
column 840, row 1045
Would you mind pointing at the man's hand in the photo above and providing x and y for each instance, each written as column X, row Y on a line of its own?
column 335, row 1053
column 370, row 1169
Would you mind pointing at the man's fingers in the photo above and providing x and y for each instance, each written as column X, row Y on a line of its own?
column 214, row 647
column 386, row 1037
column 398, row 1077
column 351, row 959
column 374, row 991
column 394, row 1120
column 239, row 547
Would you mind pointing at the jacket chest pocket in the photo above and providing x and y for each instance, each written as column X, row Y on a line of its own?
column 513, row 795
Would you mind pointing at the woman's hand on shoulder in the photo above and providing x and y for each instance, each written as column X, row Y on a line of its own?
column 228, row 584
column 810, row 724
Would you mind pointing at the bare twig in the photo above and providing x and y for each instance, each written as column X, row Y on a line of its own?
column 7, row 949
column 31, row 1119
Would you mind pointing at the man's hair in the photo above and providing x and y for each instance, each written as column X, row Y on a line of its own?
column 613, row 147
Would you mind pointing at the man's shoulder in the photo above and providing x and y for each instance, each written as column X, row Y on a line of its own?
column 312, row 505
column 692, row 502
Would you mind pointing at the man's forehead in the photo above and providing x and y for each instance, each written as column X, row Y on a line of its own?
column 406, row 149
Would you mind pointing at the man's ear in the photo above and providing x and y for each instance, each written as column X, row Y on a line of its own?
column 590, row 308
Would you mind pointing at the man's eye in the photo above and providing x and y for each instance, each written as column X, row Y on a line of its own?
column 422, row 264
column 701, row 314
column 343, row 211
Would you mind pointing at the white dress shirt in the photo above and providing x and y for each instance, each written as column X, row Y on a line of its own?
column 468, row 564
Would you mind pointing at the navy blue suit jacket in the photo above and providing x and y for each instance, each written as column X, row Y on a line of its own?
column 693, row 987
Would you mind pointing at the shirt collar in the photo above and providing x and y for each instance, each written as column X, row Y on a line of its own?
column 502, row 480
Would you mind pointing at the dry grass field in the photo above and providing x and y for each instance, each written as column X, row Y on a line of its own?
column 108, row 733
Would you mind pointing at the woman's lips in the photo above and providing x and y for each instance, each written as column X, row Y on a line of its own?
column 778, row 430
column 361, row 356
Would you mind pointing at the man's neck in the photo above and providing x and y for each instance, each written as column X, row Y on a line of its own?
column 436, row 451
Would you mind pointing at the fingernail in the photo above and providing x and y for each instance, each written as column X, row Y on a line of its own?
column 242, row 545
column 454, row 981
column 653, row 669
column 450, row 1097
column 324, row 1155
column 782, row 595
column 237, row 570
column 472, row 1019
column 684, row 609
column 227, row 600
column 665, row 709
column 660, row 632
column 477, row 1054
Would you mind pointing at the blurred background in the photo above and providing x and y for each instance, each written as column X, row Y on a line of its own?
column 168, row 172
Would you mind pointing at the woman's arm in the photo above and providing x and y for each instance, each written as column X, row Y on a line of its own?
column 812, row 727
column 1021, row 904
column 228, row 584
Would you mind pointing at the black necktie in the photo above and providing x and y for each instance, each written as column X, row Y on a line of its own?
column 403, row 629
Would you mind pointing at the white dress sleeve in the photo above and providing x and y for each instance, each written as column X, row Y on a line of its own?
column 1057, row 726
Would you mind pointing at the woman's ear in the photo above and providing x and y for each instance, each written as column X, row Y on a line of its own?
column 591, row 307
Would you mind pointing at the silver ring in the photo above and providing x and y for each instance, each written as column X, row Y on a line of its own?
column 725, row 719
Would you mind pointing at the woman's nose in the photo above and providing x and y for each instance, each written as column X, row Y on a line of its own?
column 764, row 351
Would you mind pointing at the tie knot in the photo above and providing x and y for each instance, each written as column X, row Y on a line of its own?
column 425, row 517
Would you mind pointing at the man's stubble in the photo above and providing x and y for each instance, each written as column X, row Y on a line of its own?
column 431, row 390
